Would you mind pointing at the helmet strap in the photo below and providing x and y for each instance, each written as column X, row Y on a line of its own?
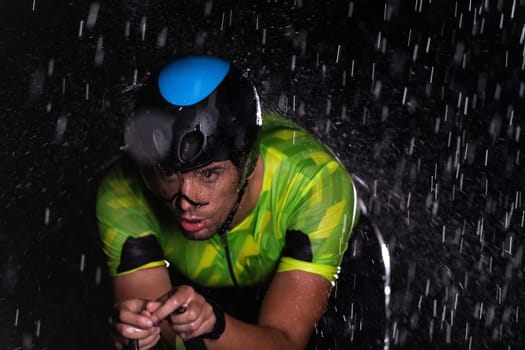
column 225, row 226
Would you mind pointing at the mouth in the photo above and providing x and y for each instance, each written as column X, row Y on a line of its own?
column 192, row 226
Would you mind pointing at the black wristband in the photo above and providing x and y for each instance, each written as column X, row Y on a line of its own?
column 220, row 323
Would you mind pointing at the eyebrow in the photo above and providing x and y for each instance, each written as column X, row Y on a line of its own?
column 212, row 168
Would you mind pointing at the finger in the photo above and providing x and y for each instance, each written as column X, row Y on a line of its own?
column 151, row 340
column 181, row 297
column 152, row 306
column 130, row 332
column 195, row 328
column 133, row 305
column 198, row 320
column 136, row 320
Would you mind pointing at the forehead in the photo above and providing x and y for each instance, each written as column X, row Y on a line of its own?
column 219, row 165
column 225, row 164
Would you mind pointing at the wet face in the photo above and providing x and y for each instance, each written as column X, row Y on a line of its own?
column 201, row 200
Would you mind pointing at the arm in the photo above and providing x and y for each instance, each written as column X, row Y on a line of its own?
column 294, row 302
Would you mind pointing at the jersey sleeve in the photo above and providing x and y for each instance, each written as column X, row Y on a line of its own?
column 126, row 225
column 321, row 217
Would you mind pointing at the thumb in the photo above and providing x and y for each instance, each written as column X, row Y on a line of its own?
column 152, row 306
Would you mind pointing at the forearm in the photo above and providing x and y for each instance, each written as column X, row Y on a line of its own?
column 241, row 335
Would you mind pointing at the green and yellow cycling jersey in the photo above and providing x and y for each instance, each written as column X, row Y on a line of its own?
column 303, row 219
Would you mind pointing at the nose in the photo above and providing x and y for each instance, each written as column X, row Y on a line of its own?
column 184, row 202
column 188, row 195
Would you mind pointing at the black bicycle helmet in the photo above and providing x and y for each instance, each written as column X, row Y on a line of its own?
column 195, row 111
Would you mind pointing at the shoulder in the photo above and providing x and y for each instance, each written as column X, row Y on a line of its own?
column 286, row 142
column 121, row 181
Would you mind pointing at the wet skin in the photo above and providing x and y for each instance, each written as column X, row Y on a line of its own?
column 202, row 199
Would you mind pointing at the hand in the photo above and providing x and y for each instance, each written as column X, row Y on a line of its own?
column 197, row 316
column 131, row 320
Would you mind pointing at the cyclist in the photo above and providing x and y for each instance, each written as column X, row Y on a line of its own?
column 214, row 195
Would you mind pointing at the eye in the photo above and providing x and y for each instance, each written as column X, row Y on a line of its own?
column 166, row 172
column 208, row 175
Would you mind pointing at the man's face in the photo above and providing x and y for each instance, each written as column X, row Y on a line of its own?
column 200, row 199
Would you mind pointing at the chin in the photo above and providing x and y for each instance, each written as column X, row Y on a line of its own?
column 198, row 236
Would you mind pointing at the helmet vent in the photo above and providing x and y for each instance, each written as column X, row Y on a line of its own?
column 191, row 146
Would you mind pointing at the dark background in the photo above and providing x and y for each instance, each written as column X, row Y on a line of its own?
column 422, row 100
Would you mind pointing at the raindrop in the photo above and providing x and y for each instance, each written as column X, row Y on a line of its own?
column 328, row 108
column 264, row 36
column 161, row 38
column 86, row 94
column 350, row 9
column 17, row 314
column 448, row 335
column 507, row 245
column 34, row 5
column 46, row 216
column 338, row 52
column 459, row 52
column 344, row 115
column 414, row 53
column 92, row 15
column 143, row 24
column 135, row 76
column 98, row 275
column 377, row 89
column 127, row 30
column 37, row 328
column 208, row 6
column 222, row 21
column 82, row 262
column 36, row 87
column 50, row 67
column 99, row 53
column 27, row 341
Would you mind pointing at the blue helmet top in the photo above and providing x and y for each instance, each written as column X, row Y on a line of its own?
column 194, row 111
column 189, row 80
